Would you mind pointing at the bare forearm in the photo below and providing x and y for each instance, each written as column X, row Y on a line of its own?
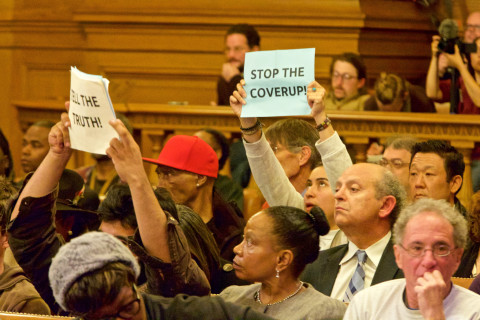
column 432, row 88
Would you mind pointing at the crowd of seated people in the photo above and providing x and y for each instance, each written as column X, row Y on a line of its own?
column 380, row 239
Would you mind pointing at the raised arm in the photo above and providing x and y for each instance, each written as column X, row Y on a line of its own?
column 152, row 221
column 47, row 175
column 266, row 169
column 335, row 157
column 432, row 87
column 237, row 101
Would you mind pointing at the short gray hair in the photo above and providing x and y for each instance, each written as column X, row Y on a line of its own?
column 442, row 208
column 389, row 185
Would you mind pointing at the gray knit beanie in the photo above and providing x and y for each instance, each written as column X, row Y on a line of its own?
column 86, row 253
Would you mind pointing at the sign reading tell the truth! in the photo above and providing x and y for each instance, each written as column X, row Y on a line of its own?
column 276, row 82
column 90, row 111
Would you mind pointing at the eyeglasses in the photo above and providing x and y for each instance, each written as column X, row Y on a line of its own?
column 394, row 163
column 127, row 311
column 289, row 148
column 418, row 250
column 344, row 76
column 472, row 26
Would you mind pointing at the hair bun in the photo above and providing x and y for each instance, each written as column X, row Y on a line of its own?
column 320, row 222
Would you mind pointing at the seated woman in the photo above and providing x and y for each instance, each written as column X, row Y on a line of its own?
column 278, row 243
column 267, row 163
column 393, row 93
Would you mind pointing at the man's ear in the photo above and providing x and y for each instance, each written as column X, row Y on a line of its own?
column 305, row 155
column 361, row 83
column 396, row 251
column 201, row 180
column 387, row 206
column 255, row 48
column 455, row 184
column 5, row 241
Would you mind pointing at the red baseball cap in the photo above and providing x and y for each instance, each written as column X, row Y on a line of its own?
column 190, row 154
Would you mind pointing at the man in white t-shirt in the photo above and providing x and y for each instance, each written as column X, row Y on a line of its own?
column 429, row 238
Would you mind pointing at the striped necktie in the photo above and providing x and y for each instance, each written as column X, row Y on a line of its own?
column 358, row 279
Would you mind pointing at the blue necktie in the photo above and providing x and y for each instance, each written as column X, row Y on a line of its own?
column 358, row 279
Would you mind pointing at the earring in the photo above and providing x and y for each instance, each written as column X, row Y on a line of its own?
column 278, row 274
column 198, row 185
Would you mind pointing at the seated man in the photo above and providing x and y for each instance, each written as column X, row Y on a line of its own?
column 240, row 39
column 429, row 239
column 397, row 156
column 188, row 168
column 436, row 171
column 348, row 78
column 35, row 145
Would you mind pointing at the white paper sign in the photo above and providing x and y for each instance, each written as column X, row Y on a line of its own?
column 90, row 111
column 276, row 82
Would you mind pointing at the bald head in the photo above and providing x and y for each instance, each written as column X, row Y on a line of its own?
column 472, row 27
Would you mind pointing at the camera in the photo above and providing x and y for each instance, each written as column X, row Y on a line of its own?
column 448, row 46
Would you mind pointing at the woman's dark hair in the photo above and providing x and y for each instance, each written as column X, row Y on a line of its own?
column 99, row 288
column 6, row 151
column 200, row 240
column 298, row 231
column 118, row 206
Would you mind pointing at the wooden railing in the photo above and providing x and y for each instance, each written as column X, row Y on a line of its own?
column 154, row 122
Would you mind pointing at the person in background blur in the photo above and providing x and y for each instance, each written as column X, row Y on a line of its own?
column 228, row 189
column 348, row 83
column 240, row 39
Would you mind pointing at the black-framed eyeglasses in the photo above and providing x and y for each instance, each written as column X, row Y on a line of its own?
column 127, row 311
column 394, row 163
column 418, row 250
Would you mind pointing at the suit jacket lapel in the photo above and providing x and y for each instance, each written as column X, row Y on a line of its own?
column 387, row 268
column 331, row 268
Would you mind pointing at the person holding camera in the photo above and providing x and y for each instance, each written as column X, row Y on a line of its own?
column 469, row 80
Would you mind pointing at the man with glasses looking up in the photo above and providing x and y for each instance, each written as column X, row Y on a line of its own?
column 348, row 77
column 396, row 157
column 429, row 238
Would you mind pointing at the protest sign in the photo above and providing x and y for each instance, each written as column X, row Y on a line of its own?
column 90, row 111
column 276, row 82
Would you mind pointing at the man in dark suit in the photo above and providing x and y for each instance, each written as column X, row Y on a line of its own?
column 368, row 199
